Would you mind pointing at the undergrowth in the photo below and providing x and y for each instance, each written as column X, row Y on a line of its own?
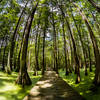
column 85, row 87
column 11, row 91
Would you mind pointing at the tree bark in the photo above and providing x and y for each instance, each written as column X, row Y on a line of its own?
column 14, row 35
column 23, row 77
column 65, row 49
column 58, row 53
column 43, row 66
column 3, row 61
column 74, row 47
column 55, row 45
column 36, row 51
column 95, row 46
column 18, row 61
column 8, row 70
column 15, row 58
column 84, row 51
column 90, row 64
column 1, row 45
column 36, row 55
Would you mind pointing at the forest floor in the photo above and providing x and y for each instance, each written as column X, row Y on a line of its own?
column 86, row 87
column 52, row 87
column 11, row 91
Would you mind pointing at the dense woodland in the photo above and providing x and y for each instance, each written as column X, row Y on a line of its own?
column 38, row 35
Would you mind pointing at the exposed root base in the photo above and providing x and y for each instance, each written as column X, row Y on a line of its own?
column 23, row 79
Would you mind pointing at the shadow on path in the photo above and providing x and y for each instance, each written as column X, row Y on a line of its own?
column 52, row 87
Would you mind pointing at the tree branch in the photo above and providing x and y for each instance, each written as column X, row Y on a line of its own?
column 95, row 5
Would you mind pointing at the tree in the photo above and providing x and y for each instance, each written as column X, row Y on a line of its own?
column 95, row 46
column 45, row 26
column 84, row 51
column 13, row 37
column 3, row 60
column 54, row 44
column 74, row 47
column 23, row 77
column 65, row 49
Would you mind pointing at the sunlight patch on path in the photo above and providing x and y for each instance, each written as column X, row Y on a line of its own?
column 52, row 87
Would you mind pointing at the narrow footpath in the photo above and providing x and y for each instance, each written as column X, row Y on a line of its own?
column 52, row 87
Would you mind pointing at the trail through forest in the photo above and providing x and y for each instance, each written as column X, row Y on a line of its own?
column 52, row 87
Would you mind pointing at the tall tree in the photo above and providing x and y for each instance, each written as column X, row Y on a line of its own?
column 54, row 43
column 23, row 77
column 95, row 46
column 14, row 35
column 74, row 46
column 79, row 33
column 3, row 60
column 36, row 52
column 65, row 49
column 45, row 15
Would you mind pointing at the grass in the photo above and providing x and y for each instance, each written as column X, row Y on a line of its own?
column 11, row 91
column 83, row 88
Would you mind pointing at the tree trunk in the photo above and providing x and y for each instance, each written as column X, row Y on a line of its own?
column 43, row 66
column 3, row 61
column 36, row 55
column 18, row 61
column 75, row 55
column 72, row 55
column 8, row 70
column 94, row 5
column 23, row 77
column 95, row 47
column 58, row 53
column 74, row 47
column 84, row 51
column 14, row 35
column 90, row 64
column 1, row 47
column 65, row 49
column 68, row 64
column 29, row 59
column 36, row 52
column 54, row 44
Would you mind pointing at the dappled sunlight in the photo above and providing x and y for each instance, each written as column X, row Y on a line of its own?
column 49, row 49
column 35, row 89
column 46, row 85
column 3, row 98
column 52, row 87
column 43, row 82
column 8, row 87
column 84, row 86
column 11, row 91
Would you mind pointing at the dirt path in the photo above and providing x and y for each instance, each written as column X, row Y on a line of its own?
column 52, row 87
